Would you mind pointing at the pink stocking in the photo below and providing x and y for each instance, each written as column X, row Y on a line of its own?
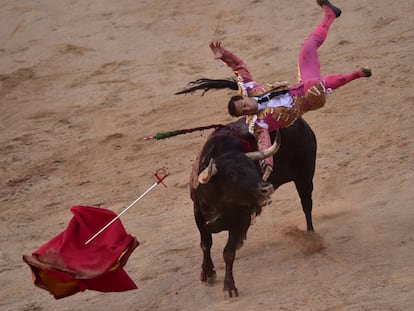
column 335, row 81
column 309, row 66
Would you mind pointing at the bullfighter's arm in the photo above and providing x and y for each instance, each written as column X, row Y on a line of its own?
column 231, row 60
column 264, row 142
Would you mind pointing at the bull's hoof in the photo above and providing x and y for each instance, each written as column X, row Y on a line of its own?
column 208, row 277
column 230, row 293
column 212, row 278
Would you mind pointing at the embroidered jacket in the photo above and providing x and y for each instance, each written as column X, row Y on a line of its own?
column 277, row 112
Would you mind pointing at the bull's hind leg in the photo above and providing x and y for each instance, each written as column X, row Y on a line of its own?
column 208, row 273
column 305, row 187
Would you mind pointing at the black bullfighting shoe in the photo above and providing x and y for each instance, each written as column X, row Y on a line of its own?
column 366, row 72
column 335, row 9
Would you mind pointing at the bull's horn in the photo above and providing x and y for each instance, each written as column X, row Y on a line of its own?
column 207, row 173
column 269, row 152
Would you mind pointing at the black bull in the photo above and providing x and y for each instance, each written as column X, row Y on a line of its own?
column 227, row 201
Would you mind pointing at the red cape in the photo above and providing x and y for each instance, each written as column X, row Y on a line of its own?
column 65, row 265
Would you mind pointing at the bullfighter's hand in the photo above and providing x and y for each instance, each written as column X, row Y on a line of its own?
column 267, row 171
column 217, row 50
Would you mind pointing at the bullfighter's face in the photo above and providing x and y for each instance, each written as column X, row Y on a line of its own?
column 245, row 106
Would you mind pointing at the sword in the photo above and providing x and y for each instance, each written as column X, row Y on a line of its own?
column 160, row 174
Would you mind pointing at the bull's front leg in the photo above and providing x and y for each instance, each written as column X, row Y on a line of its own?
column 208, row 274
column 236, row 235
column 229, row 255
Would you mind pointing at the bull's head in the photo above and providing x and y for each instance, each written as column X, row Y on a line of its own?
column 211, row 170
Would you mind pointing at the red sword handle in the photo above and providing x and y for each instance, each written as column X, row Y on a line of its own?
column 161, row 174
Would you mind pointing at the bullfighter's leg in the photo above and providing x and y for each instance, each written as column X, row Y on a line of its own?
column 208, row 273
column 309, row 65
column 304, row 187
column 335, row 81
column 236, row 234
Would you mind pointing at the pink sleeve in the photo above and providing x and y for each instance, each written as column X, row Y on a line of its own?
column 237, row 65
column 272, row 122
column 264, row 142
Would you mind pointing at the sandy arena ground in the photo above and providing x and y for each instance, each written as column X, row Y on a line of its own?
column 81, row 84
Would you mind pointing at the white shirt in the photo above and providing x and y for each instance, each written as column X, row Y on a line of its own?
column 283, row 100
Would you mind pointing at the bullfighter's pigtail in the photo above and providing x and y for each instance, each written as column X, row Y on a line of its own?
column 206, row 84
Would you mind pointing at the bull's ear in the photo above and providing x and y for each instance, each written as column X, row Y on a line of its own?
column 205, row 175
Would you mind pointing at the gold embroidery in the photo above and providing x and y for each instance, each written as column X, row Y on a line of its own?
column 251, row 123
column 242, row 89
column 313, row 99
column 274, row 87
column 286, row 114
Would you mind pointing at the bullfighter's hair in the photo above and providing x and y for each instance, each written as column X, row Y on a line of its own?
column 206, row 84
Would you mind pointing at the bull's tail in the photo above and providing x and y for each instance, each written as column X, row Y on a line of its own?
column 206, row 84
